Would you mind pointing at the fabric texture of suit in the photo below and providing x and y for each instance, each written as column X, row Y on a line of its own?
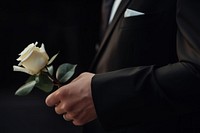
column 148, row 70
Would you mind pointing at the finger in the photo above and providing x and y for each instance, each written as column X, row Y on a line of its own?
column 84, row 117
column 60, row 109
column 53, row 99
column 75, row 117
column 66, row 118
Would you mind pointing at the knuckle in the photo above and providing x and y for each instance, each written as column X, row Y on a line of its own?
column 57, row 94
column 60, row 109
column 83, row 74
column 78, row 122
column 61, row 95
column 72, row 115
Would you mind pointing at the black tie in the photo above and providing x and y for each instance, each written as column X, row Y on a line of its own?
column 106, row 11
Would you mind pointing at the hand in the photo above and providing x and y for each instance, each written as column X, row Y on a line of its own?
column 74, row 100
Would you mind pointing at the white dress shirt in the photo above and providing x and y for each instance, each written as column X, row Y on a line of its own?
column 114, row 9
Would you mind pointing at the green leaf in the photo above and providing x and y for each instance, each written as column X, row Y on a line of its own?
column 50, row 69
column 26, row 88
column 31, row 78
column 65, row 72
column 44, row 83
column 52, row 59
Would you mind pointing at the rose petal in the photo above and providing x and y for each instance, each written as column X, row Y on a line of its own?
column 42, row 50
column 25, row 57
column 26, row 51
column 30, row 46
column 36, row 62
column 21, row 69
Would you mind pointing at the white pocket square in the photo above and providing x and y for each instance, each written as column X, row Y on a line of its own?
column 131, row 13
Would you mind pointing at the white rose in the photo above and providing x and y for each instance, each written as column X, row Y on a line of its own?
column 32, row 59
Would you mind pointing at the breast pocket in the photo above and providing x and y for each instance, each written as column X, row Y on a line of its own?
column 142, row 21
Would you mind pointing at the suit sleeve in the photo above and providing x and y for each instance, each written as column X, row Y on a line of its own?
column 141, row 94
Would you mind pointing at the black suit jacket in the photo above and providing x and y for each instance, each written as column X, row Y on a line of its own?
column 148, row 69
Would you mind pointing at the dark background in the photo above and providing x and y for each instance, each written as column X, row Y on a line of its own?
column 69, row 27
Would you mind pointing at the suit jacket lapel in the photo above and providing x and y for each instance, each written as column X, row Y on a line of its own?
column 120, row 10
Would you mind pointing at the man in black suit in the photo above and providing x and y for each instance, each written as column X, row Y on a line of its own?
column 146, row 73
